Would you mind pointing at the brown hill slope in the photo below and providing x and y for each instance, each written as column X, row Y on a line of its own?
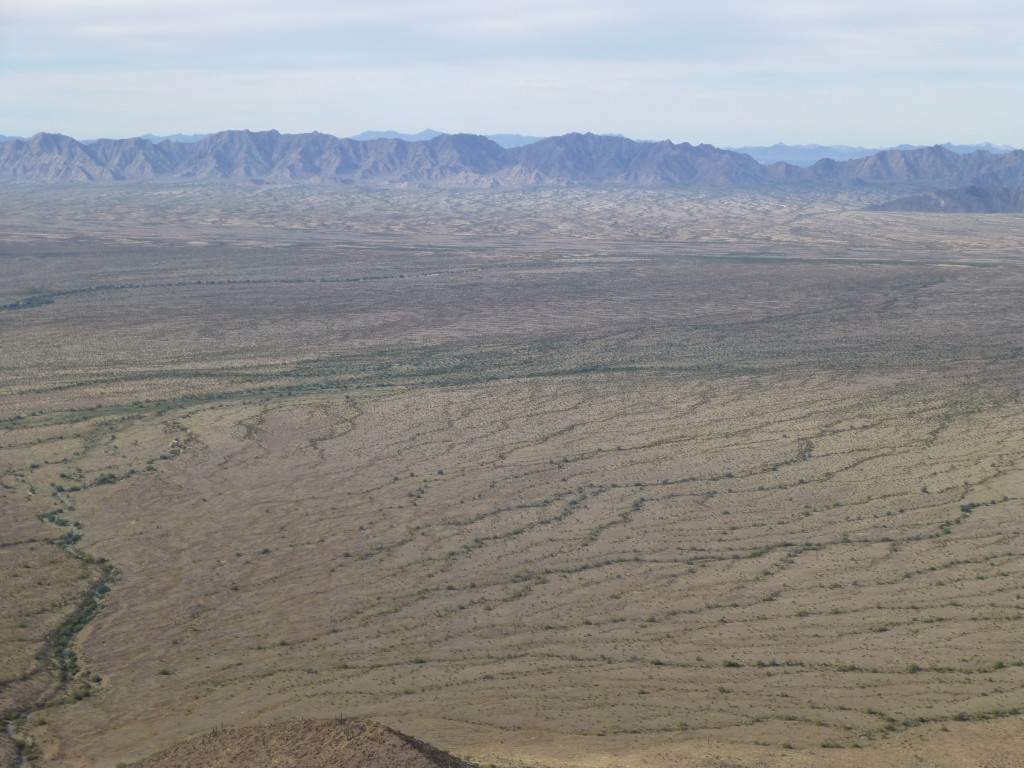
column 340, row 743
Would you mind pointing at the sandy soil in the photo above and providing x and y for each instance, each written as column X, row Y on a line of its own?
column 586, row 479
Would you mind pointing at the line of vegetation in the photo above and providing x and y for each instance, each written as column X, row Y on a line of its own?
column 58, row 652
column 42, row 299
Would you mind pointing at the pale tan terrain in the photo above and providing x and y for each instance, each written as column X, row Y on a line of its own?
column 570, row 479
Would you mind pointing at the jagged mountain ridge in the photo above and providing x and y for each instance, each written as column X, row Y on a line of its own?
column 465, row 160
column 446, row 160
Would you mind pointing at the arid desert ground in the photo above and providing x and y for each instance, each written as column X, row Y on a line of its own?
column 577, row 478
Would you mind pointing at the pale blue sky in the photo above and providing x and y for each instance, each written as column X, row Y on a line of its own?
column 726, row 72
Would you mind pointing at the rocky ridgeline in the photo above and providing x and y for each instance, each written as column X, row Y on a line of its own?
column 464, row 160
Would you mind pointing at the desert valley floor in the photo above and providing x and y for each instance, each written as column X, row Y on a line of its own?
column 548, row 478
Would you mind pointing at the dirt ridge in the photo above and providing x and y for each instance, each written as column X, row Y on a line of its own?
column 330, row 743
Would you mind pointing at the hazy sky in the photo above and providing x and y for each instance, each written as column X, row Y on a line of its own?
column 726, row 72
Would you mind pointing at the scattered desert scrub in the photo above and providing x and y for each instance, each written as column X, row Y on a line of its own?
column 665, row 468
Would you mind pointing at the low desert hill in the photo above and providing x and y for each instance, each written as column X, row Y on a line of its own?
column 469, row 161
column 339, row 743
column 973, row 199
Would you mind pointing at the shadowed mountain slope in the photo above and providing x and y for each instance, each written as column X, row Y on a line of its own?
column 342, row 743
column 587, row 158
column 972, row 199
column 931, row 165
column 464, row 160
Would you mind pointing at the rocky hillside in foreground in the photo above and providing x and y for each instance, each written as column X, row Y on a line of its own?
column 965, row 200
column 342, row 743
column 463, row 160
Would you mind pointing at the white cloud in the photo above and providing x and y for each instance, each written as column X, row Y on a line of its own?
column 792, row 34
column 647, row 68
column 646, row 100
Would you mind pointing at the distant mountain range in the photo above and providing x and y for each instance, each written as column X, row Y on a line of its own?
column 802, row 155
column 506, row 140
column 464, row 160
column 185, row 138
column 808, row 154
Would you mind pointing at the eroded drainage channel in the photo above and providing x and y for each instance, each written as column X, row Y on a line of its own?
column 71, row 681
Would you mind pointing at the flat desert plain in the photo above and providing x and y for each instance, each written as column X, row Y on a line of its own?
column 576, row 478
